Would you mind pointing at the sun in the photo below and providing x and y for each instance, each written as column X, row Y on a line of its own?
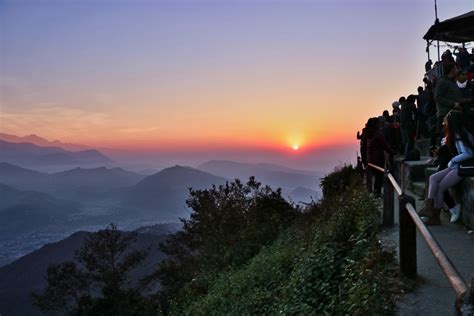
column 296, row 147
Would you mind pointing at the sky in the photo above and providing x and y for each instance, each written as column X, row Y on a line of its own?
column 253, row 78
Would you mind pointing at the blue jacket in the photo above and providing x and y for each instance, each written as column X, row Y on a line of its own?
column 464, row 153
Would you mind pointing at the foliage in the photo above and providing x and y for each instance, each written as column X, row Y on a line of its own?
column 328, row 262
column 228, row 226
column 98, row 283
column 342, row 178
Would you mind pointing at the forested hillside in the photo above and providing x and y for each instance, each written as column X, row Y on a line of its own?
column 246, row 250
column 326, row 260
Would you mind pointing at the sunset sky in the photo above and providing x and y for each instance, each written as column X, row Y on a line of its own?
column 179, row 75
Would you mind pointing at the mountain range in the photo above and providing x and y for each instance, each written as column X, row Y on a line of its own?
column 40, row 207
column 24, row 211
column 78, row 183
column 273, row 175
column 29, row 154
column 40, row 141
column 168, row 189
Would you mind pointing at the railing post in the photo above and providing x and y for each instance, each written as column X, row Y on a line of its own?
column 407, row 238
column 388, row 216
column 368, row 178
column 465, row 304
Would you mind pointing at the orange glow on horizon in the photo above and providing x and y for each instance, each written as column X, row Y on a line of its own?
column 231, row 144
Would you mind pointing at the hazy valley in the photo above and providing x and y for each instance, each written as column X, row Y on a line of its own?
column 38, row 207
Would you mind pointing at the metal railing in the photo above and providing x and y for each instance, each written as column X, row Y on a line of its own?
column 409, row 221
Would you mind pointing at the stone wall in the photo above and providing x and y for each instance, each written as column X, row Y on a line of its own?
column 467, row 201
column 413, row 177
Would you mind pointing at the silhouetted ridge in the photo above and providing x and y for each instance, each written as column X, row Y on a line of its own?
column 180, row 176
column 165, row 192
column 33, row 155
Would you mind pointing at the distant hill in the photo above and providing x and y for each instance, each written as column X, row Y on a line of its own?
column 29, row 154
column 78, row 183
column 27, row 274
column 271, row 174
column 89, row 182
column 304, row 195
column 166, row 191
column 40, row 141
column 23, row 211
column 19, row 177
column 160, row 229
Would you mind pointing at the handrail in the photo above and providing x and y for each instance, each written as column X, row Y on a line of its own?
column 395, row 184
column 390, row 176
column 376, row 167
column 455, row 279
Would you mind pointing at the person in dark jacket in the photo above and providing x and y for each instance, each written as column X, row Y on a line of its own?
column 447, row 57
column 429, row 111
column 462, row 57
column 428, row 65
column 408, row 126
column 421, row 100
column 447, row 96
column 376, row 145
column 465, row 87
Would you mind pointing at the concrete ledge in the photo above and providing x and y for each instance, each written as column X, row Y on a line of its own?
column 467, row 201
column 413, row 171
column 413, row 176
column 419, row 188
column 423, row 146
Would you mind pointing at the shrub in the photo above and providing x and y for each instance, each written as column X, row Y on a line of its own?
column 228, row 225
column 333, row 264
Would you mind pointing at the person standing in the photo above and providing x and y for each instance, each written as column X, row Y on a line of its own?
column 447, row 96
column 376, row 145
column 408, row 126
column 428, row 65
column 421, row 100
column 429, row 111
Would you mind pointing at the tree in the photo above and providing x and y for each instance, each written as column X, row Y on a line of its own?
column 229, row 224
column 97, row 282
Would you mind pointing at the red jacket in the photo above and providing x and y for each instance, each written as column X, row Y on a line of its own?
column 376, row 145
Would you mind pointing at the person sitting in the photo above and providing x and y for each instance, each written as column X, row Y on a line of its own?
column 459, row 141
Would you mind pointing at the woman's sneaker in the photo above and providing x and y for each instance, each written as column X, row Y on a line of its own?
column 455, row 213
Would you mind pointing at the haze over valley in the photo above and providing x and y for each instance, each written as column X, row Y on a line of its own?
column 50, row 189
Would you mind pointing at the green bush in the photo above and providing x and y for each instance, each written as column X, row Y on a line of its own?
column 228, row 226
column 328, row 262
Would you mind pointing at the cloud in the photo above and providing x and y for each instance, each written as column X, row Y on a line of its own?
column 138, row 130
column 54, row 121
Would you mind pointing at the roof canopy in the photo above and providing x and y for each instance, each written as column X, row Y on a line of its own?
column 459, row 29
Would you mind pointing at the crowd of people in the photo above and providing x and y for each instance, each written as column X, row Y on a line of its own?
column 442, row 111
